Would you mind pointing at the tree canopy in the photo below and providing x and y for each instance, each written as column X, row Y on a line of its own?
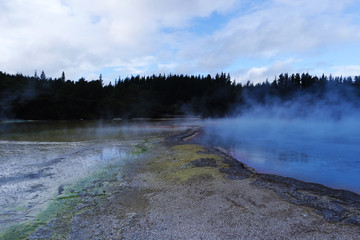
column 43, row 98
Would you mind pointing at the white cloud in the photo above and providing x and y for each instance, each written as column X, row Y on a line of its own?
column 151, row 36
column 62, row 35
column 268, row 72
column 350, row 70
column 273, row 29
column 135, row 66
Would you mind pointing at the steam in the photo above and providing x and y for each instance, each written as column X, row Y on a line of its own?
column 311, row 137
column 328, row 104
column 330, row 113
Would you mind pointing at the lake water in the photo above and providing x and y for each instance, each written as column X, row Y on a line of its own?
column 313, row 151
column 39, row 158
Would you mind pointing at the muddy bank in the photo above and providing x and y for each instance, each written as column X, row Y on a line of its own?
column 178, row 190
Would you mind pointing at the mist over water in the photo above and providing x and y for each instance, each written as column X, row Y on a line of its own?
column 73, row 131
column 318, row 143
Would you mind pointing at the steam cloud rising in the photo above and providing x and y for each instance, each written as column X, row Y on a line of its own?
column 311, row 136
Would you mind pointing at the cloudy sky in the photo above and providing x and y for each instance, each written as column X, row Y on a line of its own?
column 250, row 39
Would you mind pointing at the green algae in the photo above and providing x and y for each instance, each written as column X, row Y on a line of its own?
column 174, row 164
column 64, row 206
column 68, row 197
column 56, row 208
column 143, row 147
column 169, row 164
column 139, row 149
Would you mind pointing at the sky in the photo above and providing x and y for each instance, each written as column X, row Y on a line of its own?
column 250, row 39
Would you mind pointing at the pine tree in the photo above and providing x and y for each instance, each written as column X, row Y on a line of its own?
column 42, row 75
column 63, row 76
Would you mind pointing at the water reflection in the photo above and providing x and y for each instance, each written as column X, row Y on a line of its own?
column 113, row 153
column 325, row 153
column 293, row 156
column 75, row 131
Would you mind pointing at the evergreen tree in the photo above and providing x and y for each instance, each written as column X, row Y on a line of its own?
column 42, row 75
column 63, row 77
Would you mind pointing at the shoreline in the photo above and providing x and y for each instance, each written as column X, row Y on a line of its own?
column 335, row 205
column 180, row 190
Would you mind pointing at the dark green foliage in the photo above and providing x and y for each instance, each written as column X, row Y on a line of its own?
column 42, row 98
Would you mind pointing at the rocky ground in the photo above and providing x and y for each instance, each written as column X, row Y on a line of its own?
column 178, row 190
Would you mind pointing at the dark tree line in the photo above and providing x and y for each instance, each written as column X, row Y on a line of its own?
column 42, row 98
column 24, row 97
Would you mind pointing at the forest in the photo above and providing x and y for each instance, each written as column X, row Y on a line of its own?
column 42, row 98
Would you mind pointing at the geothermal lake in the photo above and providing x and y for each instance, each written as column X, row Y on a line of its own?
column 39, row 159
column 325, row 152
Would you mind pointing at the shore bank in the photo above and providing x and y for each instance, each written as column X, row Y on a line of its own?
column 179, row 190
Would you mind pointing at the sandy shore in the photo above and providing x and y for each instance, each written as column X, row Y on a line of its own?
column 178, row 190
